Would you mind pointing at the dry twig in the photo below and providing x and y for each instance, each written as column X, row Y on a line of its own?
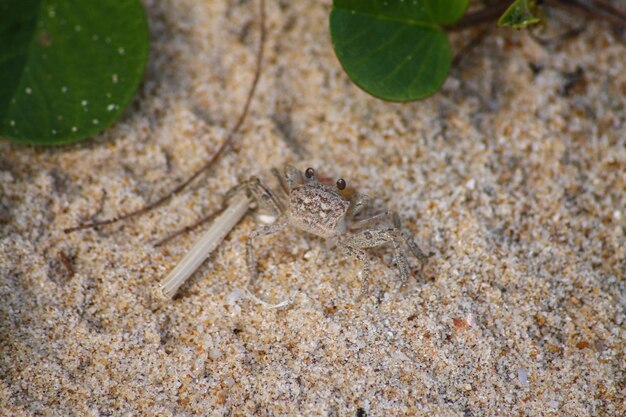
column 225, row 146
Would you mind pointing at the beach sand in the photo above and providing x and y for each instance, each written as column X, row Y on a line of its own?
column 513, row 177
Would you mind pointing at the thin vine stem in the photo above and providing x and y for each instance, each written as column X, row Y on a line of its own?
column 599, row 9
column 594, row 9
column 224, row 147
column 186, row 229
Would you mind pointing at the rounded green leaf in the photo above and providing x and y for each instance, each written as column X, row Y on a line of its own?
column 68, row 68
column 395, row 49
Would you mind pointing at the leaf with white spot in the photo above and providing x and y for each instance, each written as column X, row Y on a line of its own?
column 69, row 68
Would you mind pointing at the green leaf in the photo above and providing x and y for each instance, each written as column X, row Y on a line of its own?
column 395, row 50
column 520, row 14
column 68, row 68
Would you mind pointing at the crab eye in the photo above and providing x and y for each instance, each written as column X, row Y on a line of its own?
column 341, row 183
column 309, row 173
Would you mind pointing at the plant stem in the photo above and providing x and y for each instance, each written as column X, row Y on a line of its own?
column 599, row 9
column 209, row 163
column 594, row 9
column 203, row 247
column 487, row 14
column 186, row 229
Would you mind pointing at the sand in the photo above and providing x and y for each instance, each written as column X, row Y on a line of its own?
column 513, row 177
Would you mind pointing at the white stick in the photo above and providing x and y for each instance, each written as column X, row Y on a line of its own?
column 223, row 224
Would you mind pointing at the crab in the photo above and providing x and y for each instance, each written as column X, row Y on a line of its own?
column 307, row 204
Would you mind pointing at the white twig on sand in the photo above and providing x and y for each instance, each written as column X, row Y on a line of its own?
column 220, row 227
